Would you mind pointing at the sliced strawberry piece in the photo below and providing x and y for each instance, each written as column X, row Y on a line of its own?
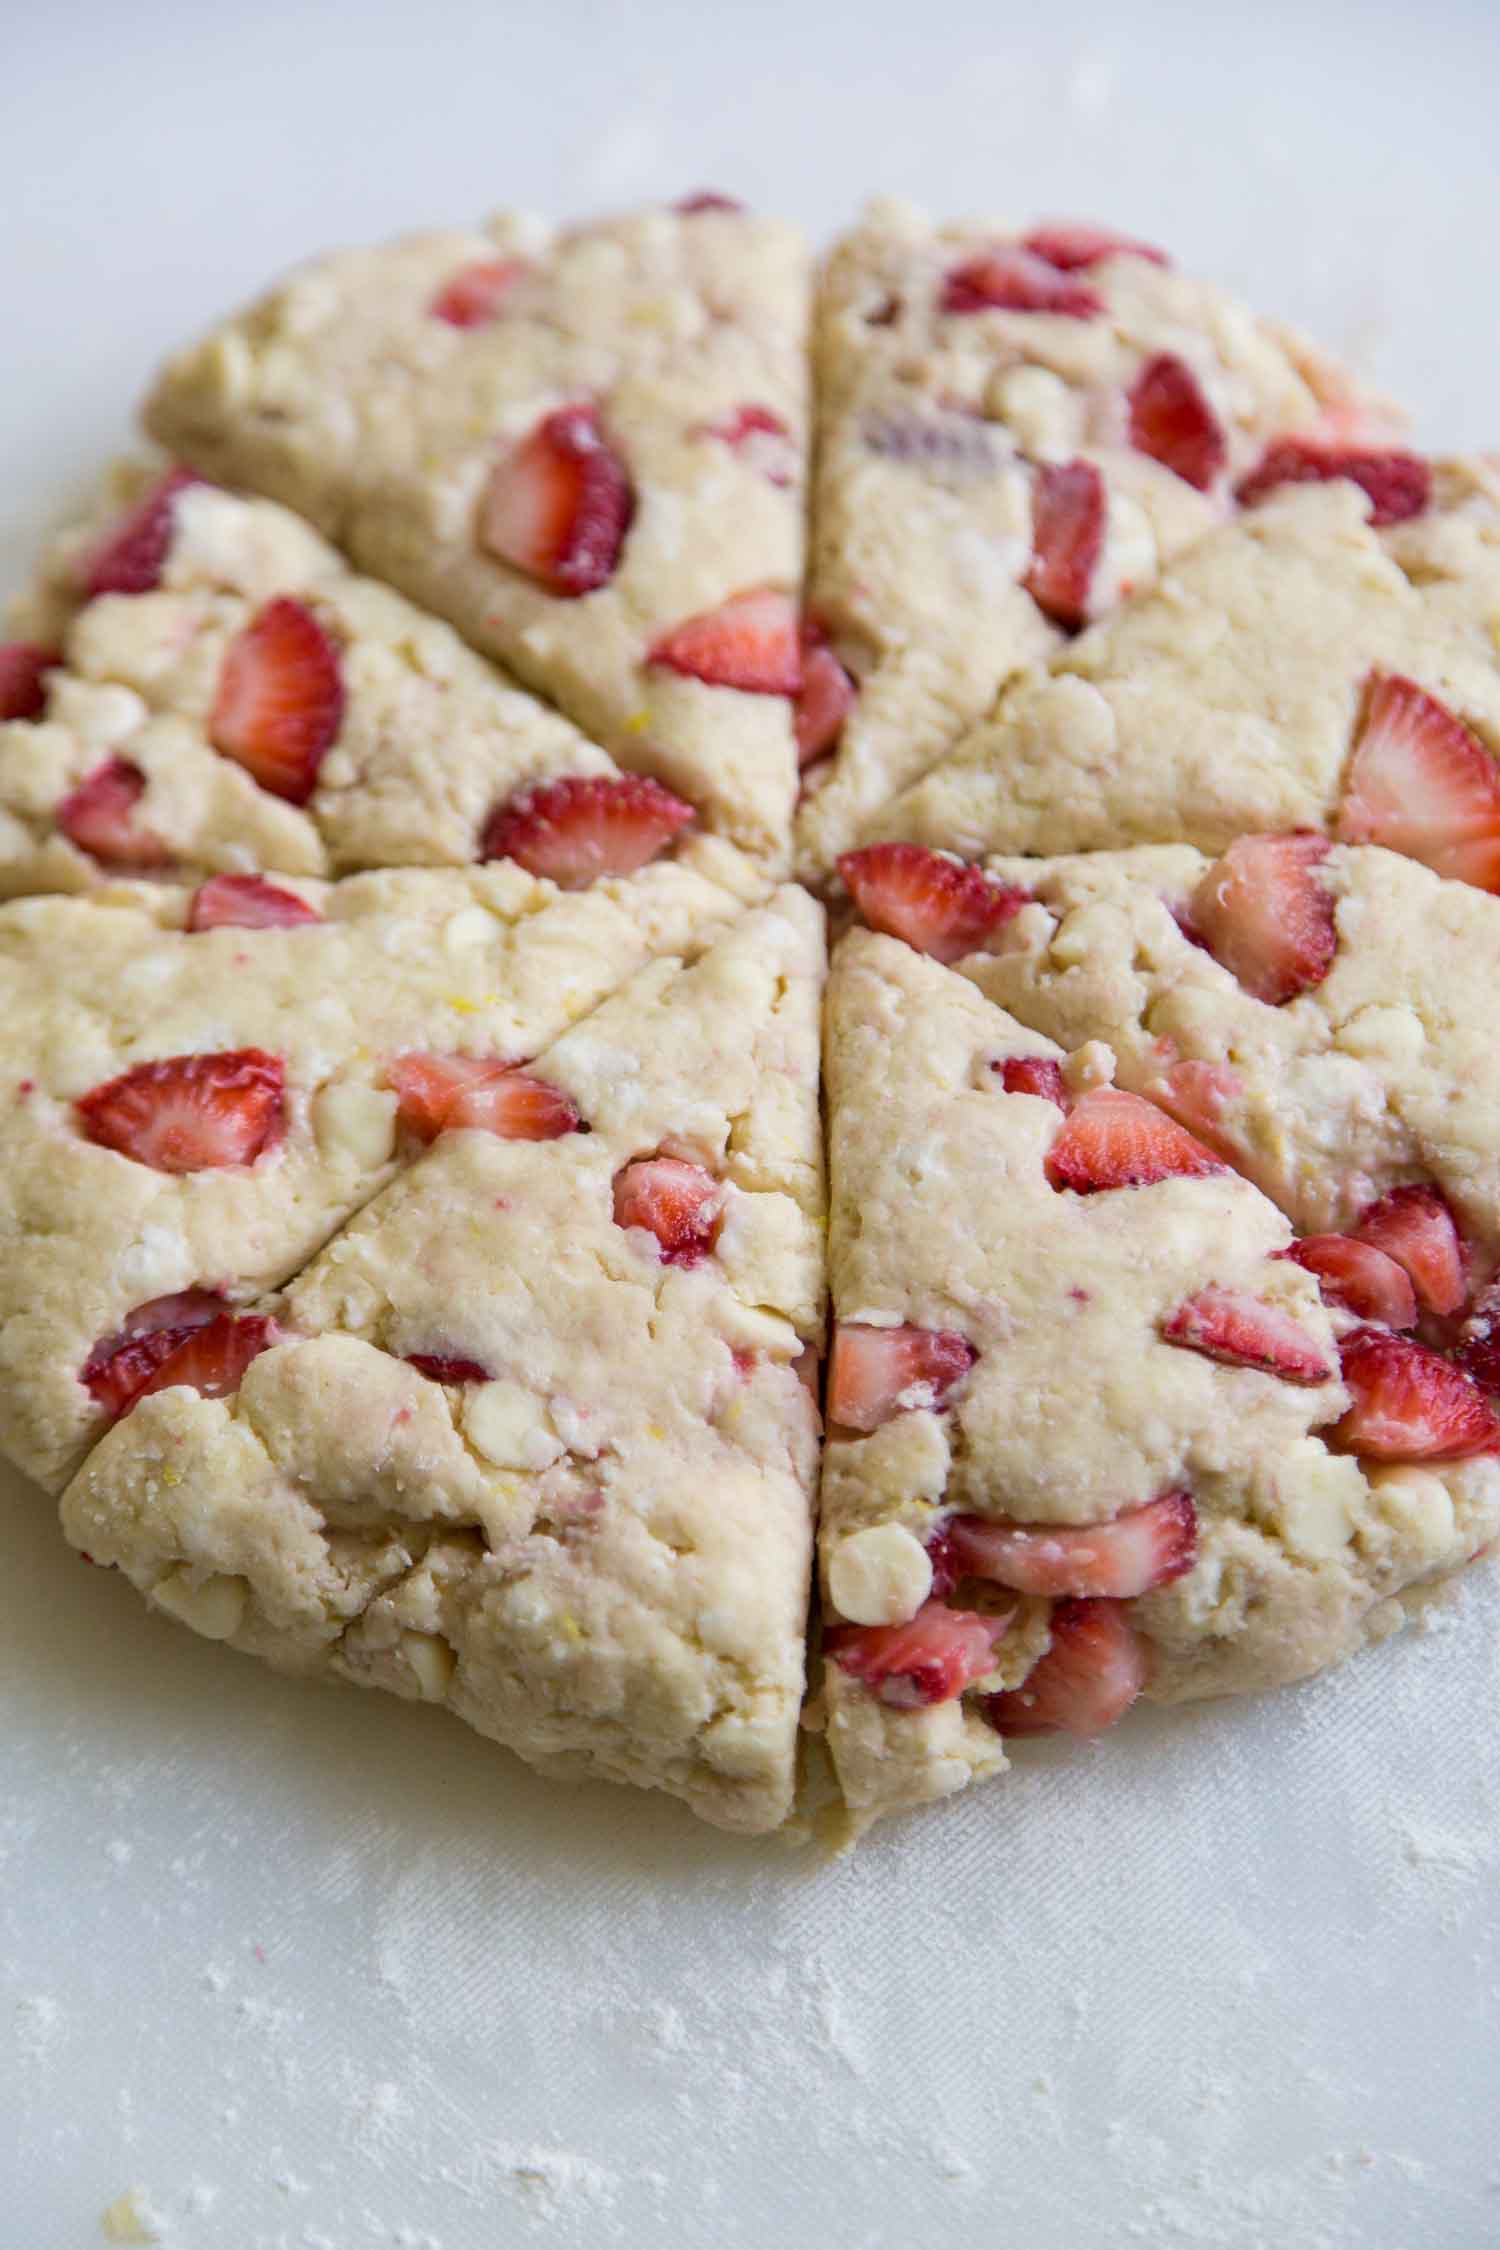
column 1414, row 1226
column 1197, row 1094
column 212, row 1360
column 750, row 642
column 1359, row 1277
column 558, row 506
column 448, row 1093
column 1265, row 916
column 1477, row 1350
column 1244, row 1331
column 1073, row 245
column 1396, row 483
column 99, row 817
column 874, row 1373
column 443, row 1367
column 678, row 1202
column 475, row 295
column 280, row 701
column 247, row 902
column 930, row 1659
column 24, row 666
column 1172, row 421
column 706, row 199
column 938, row 905
column 119, row 1366
column 1421, row 783
column 1093, row 1671
column 190, row 1113
column 1033, row 1074
column 1068, row 512
column 1147, row 1546
column 1011, row 279
column 131, row 558
column 761, row 438
column 575, row 830
column 825, row 699
column 1115, row 1140
column 1409, row 1404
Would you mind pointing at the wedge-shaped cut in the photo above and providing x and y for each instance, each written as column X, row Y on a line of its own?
column 1365, row 1105
column 1141, row 1480
column 510, row 1457
column 1008, row 446
column 193, row 1096
column 241, row 699
column 1308, row 666
column 617, row 449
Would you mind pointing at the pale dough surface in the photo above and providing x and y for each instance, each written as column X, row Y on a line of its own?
column 931, row 426
column 341, row 394
column 1076, row 1408
column 600, row 1556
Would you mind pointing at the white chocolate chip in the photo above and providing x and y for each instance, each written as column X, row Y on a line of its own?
column 357, row 1123
column 751, row 1330
column 1386, row 1034
column 1319, row 1505
column 431, row 1663
column 1092, row 1064
column 213, row 1606
column 469, row 927
column 510, row 1426
column 880, row 1576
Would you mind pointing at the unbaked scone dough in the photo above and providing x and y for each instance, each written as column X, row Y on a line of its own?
column 594, row 1547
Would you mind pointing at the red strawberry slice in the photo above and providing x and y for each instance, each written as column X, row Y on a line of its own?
column 247, row 902
column 1145, row 1547
column 448, row 1093
column 1198, row 1094
column 1244, row 1331
column 825, row 699
column 1093, row 1671
column 24, row 666
column 99, row 817
column 190, row 1113
column 938, row 905
column 1409, row 1404
column 930, row 1659
column 1172, row 421
column 761, row 438
column 1359, row 1277
column 212, row 1360
column 474, row 296
column 558, row 506
column 131, row 558
column 1033, row 1074
column 750, row 642
column 1478, row 1348
column 119, row 1366
column 1414, row 1226
column 280, row 701
column 1072, row 245
column 1011, row 279
column 678, row 1202
column 1397, row 484
column 444, row 1367
column 1115, row 1140
column 874, row 1373
column 1421, row 783
column 706, row 199
column 575, row 830
column 1265, row 916
column 1068, row 511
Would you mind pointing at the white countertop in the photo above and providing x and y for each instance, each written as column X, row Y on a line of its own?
column 320, row 1971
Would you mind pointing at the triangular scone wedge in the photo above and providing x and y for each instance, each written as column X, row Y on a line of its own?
column 1015, row 431
column 537, row 1443
column 1085, row 1436
column 585, row 448
column 225, row 694
column 261, row 1022
column 1300, row 651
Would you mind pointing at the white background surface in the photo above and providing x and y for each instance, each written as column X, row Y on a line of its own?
column 322, row 1972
